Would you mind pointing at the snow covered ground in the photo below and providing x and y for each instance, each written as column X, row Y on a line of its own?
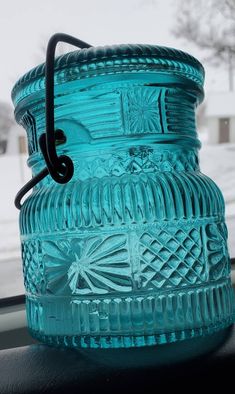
column 217, row 161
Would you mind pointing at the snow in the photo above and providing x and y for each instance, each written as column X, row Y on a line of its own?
column 220, row 104
column 216, row 161
column 14, row 173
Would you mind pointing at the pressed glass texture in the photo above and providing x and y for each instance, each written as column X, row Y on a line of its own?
column 133, row 250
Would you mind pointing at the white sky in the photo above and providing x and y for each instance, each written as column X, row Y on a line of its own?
column 26, row 25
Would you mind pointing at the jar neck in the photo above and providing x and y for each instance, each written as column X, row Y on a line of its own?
column 106, row 161
column 117, row 126
column 112, row 110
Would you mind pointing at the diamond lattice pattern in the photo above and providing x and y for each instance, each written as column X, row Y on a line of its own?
column 171, row 257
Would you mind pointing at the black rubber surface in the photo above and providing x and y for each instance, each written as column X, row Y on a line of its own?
column 41, row 369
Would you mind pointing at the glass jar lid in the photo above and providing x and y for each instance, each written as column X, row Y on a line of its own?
column 111, row 59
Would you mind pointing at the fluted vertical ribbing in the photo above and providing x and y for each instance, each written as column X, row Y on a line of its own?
column 147, row 197
column 133, row 321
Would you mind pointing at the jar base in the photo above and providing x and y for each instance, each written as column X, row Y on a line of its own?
column 132, row 321
column 157, row 355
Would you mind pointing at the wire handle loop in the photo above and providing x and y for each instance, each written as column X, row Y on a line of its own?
column 59, row 167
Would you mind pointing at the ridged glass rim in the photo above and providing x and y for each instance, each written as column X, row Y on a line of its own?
column 110, row 59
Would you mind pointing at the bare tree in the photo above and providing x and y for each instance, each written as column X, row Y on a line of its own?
column 6, row 122
column 210, row 25
column 61, row 49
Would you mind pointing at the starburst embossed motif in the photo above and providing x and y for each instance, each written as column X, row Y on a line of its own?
column 144, row 115
column 95, row 265
column 218, row 257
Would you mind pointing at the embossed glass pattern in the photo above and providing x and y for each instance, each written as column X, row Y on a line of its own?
column 133, row 250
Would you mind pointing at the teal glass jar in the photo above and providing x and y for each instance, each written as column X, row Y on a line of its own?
column 132, row 251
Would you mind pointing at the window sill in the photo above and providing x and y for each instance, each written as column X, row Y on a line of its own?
column 42, row 369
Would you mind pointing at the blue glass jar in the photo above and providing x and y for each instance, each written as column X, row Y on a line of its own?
column 133, row 250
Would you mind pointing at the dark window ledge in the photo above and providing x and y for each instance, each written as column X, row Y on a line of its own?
column 41, row 369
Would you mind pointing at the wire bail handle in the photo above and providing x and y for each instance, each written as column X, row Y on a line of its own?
column 60, row 167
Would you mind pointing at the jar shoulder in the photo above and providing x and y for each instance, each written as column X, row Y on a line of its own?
column 130, row 198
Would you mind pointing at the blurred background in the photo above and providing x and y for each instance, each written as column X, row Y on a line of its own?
column 204, row 28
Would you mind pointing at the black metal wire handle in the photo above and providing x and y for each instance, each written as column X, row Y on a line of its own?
column 59, row 167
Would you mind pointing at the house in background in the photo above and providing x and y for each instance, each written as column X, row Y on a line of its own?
column 16, row 141
column 220, row 116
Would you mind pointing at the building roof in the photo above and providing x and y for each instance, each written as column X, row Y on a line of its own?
column 221, row 104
